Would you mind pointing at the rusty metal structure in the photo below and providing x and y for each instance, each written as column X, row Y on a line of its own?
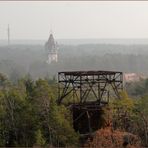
column 80, row 84
column 87, row 92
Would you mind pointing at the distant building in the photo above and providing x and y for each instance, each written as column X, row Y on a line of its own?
column 133, row 77
column 51, row 48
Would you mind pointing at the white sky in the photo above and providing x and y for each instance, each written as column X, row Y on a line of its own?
column 74, row 19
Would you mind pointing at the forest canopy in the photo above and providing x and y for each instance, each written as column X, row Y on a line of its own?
column 29, row 114
column 16, row 61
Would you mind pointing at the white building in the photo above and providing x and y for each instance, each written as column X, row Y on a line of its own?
column 133, row 77
column 51, row 49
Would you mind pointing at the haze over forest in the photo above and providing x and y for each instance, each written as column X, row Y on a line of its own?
column 38, row 39
column 91, row 36
column 17, row 61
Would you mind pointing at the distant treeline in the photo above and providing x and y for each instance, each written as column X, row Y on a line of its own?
column 19, row 60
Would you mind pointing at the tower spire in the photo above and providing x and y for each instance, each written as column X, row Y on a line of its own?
column 52, row 49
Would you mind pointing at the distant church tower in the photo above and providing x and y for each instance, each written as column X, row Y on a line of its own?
column 51, row 49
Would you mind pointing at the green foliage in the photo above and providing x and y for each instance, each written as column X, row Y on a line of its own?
column 3, row 79
column 57, row 120
column 61, row 126
column 4, row 82
column 131, row 115
column 40, row 141
column 30, row 116
column 124, row 102
column 142, row 104
column 141, row 118
column 123, row 112
column 138, row 89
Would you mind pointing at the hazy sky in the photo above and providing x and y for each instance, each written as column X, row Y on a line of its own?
column 74, row 19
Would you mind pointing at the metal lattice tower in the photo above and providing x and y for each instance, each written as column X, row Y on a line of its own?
column 85, row 86
column 87, row 93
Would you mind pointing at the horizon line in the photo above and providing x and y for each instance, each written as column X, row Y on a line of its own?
column 73, row 39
